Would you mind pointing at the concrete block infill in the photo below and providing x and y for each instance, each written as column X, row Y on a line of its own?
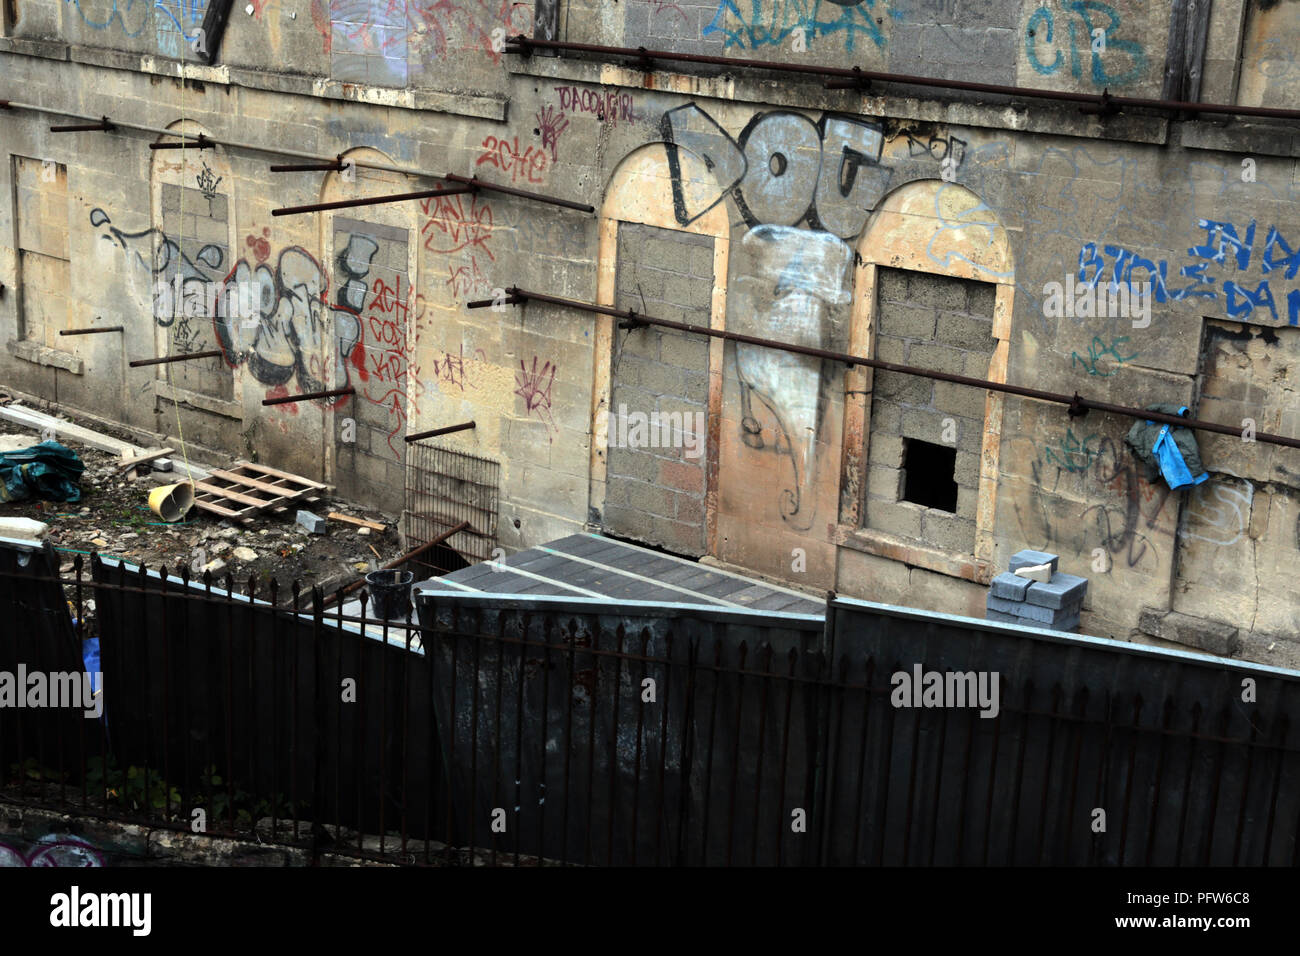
column 1028, row 558
column 1061, row 591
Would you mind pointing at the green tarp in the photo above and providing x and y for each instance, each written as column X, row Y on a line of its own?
column 45, row 472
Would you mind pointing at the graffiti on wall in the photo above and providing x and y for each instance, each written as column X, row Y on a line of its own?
column 280, row 339
column 460, row 229
column 802, row 188
column 784, row 170
column 533, row 384
column 521, row 163
column 1064, row 36
column 788, row 282
column 174, row 21
column 426, row 29
column 193, row 275
column 53, row 849
column 751, row 24
column 1234, row 266
column 1103, row 359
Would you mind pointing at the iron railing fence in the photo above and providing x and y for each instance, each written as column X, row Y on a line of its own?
column 516, row 729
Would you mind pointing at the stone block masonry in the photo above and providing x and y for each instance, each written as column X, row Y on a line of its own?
column 1053, row 604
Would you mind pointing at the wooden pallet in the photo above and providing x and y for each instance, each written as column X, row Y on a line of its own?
column 247, row 490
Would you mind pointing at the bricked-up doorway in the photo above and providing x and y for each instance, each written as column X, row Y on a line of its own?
column 370, row 301
column 1234, row 556
column 945, row 324
column 935, row 288
column 658, row 452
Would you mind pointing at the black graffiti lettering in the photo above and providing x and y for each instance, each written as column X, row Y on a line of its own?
column 783, row 154
column 691, row 129
column 785, row 170
column 852, row 181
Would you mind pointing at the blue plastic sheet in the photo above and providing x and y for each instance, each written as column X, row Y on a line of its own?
column 45, row 472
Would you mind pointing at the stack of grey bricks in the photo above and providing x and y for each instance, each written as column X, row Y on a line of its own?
column 1053, row 604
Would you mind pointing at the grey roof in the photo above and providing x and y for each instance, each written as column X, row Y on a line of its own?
column 589, row 565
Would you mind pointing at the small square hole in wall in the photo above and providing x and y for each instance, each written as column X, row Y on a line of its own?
column 928, row 475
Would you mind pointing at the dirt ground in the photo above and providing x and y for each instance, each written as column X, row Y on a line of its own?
column 113, row 519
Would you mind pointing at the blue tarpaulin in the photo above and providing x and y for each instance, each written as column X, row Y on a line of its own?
column 45, row 472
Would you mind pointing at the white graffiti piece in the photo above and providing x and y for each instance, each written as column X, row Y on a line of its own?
column 1218, row 512
column 789, row 282
column 289, row 319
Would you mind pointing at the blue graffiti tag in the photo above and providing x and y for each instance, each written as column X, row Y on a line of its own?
column 118, row 10
column 1096, row 350
column 1040, row 28
column 1075, row 456
column 772, row 22
column 1223, row 240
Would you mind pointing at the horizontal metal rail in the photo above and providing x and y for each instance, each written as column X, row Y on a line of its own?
column 1077, row 404
column 183, row 357
column 106, row 328
column 309, row 396
column 370, row 201
column 434, row 432
column 324, row 161
column 849, row 77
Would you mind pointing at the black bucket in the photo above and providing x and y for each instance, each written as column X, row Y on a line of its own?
column 390, row 593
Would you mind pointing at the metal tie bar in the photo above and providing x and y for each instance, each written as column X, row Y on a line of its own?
column 433, row 432
column 371, row 201
column 309, row 396
column 1077, row 404
column 856, row 77
column 409, row 556
column 202, row 142
column 103, row 126
column 315, row 159
column 336, row 166
column 183, row 357
column 106, row 328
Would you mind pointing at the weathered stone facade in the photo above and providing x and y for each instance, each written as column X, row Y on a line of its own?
column 914, row 224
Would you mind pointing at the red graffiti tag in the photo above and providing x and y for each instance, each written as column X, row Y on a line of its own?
column 454, row 225
column 505, row 155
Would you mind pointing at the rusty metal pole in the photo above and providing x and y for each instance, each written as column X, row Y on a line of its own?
column 409, row 556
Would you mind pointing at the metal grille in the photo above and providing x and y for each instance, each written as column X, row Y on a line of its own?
column 443, row 488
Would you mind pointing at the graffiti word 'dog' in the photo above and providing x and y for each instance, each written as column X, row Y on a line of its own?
column 755, row 23
column 784, row 170
column 1043, row 42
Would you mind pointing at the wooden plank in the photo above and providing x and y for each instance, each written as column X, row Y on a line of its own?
column 348, row 519
column 277, row 490
column 281, row 474
column 219, row 510
column 147, row 457
column 232, row 495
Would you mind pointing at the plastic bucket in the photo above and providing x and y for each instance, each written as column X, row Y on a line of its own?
column 172, row 502
column 390, row 593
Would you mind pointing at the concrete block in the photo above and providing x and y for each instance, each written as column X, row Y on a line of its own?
column 1216, row 637
column 161, row 464
column 1009, row 587
column 1027, row 557
column 1063, row 590
column 1026, row 612
column 23, row 529
column 313, row 523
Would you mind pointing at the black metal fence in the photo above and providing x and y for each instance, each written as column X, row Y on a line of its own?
column 530, row 730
